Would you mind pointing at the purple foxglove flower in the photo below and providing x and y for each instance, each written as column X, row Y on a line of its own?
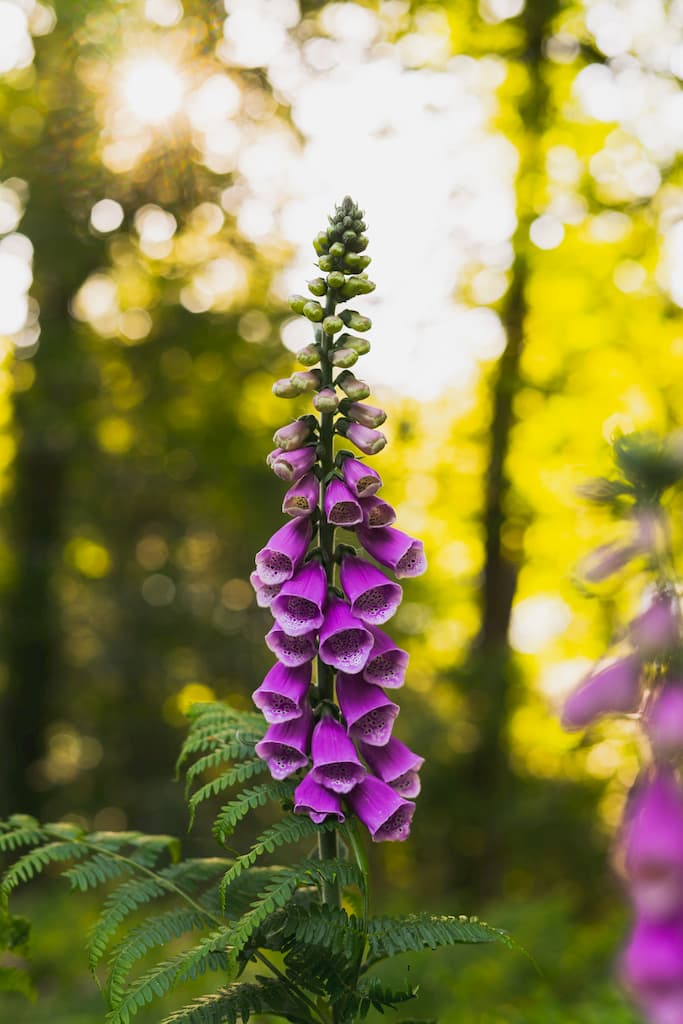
column 385, row 814
column 292, row 436
column 395, row 549
column 652, row 966
column 362, row 480
column 377, row 513
column 614, row 689
column 336, row 764
column 272, row 456
column 664, row 722
column 302, row 497
column 387, row 663
column 281, row 693
column 265, row 594
column 373, row 597
column 291, row 650
column 285, row 745
column 656, row 630
column 316, row 801
column 654, row 849
column 326, row 400
column 369, row 441
column 369, row 713
column 396, row 764
column 367, row 415
column 606, row 560
column 278, row 560
column 345, row 643
column 341, row 507
column 291, row 466
column 298, row 608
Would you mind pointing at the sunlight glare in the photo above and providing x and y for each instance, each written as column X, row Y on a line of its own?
column 152, row 89
column 16, row 48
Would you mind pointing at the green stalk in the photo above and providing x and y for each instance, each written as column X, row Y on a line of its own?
column 327, row 841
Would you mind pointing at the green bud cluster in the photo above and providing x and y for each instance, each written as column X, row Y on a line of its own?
column 342, row 261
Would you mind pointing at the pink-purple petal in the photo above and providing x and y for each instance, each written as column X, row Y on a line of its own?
column 387, row 663
column 291, row 650
column 336, row 764
column 362, row 480
column 345, row 642
column 377, row 513
column 281, row 694
column 279, row 559
column 386, row 815
column 315, row 800
column 369, row 713
column 373, row 597
column 285, row 745
column 394, row 549
column 342, row 508
column 614, row 689
column 302, row 497
column 299, row 607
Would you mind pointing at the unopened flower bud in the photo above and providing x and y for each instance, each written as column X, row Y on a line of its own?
column 349, row 236
column 606, row 560
column 354, row 261
column 306, row 380
column 360, row 345
column 369, row 441
column 326, row 263
column 355, row 321
column 313, row 311
column 297, row 303
column 317, row 286
column 337, row 250
column 359, row 244
column 326, row 400
column 357, row 286
column 292, row 436
column 284, row 388
column 344, row 357
column 336, row 279
column 332, row 325
column 309, row 355
column 356, row 389
column 291, row 466
column 368, row 415
column 321, row 243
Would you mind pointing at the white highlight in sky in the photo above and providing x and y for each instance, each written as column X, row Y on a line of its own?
column 152, row 89
column 537, row 621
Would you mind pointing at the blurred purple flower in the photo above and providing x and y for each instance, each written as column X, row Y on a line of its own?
column 664, row 721
column 615, row 688
column 656, row 630
column 653, row 843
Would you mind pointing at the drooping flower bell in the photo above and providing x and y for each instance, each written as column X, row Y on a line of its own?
column 340, row 711
column 613, row 689
column 654, row 849
column 664, row 721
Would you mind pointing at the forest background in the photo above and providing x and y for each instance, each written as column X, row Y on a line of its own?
column 163, row 167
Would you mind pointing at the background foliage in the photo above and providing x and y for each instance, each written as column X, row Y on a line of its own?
column 133, row 432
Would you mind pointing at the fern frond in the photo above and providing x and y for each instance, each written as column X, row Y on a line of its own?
column 238, row 1002
column 95, row 871
column 291, row 829
column 322, row 947
column 20, row 830
column 231, row 814
column 220, row 755
column 372, row 994
column 35, row 861
column 237, row 774
column 206, row 955
column 154, row 931
column 388, row 936
column 190, row 876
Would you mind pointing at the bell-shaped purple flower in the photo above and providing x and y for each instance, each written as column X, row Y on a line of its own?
column 396, row 764
column 369, row 713
column 336, row 764
column 605, row 560
column 373, row 597
column 664, row 722
column 280, row 696
column 367, row 415
column 302, row 497
column 656, row 631
column 386, row 815
column 387, row 663
column 316, row 801
column 362, row 480
column 345, row 643
column 614, row 689
column 286, row 745
column 341, row 507
column 278, row 560
column 265, row 593
column 652, row 966
column 291, row 466
column 399, row 552
column 377, row 513
column 293, row 435
column 654, row 849
column 369, row 441
column 292, row 651
column 299, row 607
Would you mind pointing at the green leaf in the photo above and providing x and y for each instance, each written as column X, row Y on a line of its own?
column 388, row 936
column 248, row 800
column 238, row 1002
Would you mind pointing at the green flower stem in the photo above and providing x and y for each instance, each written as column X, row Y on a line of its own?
column 327, row 841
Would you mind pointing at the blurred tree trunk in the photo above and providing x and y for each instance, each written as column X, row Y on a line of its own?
column 490, row 670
